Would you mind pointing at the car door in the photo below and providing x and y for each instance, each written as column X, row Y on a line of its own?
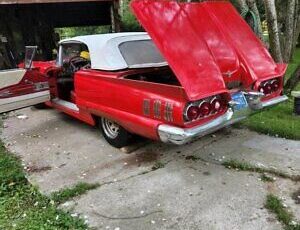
column 23, row 87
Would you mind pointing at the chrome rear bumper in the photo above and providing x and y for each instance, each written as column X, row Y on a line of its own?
column 179, row 136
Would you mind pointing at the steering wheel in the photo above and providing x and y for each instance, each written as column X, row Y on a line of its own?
column 77, row 62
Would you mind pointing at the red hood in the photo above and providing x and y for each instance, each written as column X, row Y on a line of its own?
column 204, row 42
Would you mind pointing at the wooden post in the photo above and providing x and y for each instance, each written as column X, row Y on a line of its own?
column 115, row 16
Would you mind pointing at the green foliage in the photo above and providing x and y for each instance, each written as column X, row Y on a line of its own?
column 295, row 62
column 69, row 193
column 244, row 166
column 237, row 165
column 11, row 174
column 70, row 32
column 129, row 21
column 275, row 205
column 22, row 206
column 278, row 121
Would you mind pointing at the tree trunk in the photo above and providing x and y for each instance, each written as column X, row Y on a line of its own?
column 253, row 7
column 273, row 30
column 242, row 5
column 289, row 31
column 296, row 26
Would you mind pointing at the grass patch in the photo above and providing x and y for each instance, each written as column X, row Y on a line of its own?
column 244, row 166
column 294, row 63
column 275, row 205
column 69, row 193
column 280, row 120
column 22, row 206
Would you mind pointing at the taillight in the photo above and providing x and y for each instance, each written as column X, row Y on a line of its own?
column 217, row 105
column 275, row 84
column 270, row 86
column 192, row 113
column 205, row 108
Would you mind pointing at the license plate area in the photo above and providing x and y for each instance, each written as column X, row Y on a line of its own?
column 240, row 101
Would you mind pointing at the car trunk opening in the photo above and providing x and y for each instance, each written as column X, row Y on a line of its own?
column 162, row 75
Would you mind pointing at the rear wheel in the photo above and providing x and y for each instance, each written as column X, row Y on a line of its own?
column 113, row 133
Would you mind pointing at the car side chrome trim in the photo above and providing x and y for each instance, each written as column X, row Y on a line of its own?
column 66, row 104
column 13, row 103
column 274, row 101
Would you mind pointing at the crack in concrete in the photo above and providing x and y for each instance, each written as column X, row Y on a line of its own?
column 127, row 217
column 133, row 176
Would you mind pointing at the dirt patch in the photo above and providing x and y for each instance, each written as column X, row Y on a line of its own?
column 206, row 173
column 142, row 158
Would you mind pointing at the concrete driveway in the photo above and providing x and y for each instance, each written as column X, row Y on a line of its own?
column 190, row 189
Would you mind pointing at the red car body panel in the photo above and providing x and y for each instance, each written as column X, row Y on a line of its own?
column 179, row 42
column 122, row 100
column 253, row 54
column 26, row 85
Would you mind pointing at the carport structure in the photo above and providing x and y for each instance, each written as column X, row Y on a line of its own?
column 32, row 22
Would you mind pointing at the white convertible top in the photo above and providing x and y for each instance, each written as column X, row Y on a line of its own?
column 105, row 53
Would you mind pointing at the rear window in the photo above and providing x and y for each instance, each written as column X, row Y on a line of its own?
column 142, row 52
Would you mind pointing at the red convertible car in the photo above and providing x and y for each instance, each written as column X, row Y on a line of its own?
column 198, row 69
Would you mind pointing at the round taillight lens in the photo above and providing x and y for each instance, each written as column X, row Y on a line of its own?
column 267, row 88
column 261, row 89
column 192, row 113
column 204, row 109
column 275, row 85
column 216, row 105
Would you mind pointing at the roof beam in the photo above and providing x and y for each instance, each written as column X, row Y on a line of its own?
column 9, row 2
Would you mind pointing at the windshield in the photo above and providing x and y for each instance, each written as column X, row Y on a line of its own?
column 72, row 50
column 142, row 52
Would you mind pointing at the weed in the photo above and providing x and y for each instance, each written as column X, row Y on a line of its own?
column 69, row 193
column 244, row 166
column 22, row 206
column 275, row 205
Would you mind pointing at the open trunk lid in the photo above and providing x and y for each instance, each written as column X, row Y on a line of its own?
column 208, row 45
column 186, row 52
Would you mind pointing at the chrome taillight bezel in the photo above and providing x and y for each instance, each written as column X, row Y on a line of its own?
column 198, row 104
column 267, row 87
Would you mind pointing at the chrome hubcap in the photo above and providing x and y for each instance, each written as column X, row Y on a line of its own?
column 110, row 128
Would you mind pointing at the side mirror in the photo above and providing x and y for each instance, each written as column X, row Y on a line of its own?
column 29, row 55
